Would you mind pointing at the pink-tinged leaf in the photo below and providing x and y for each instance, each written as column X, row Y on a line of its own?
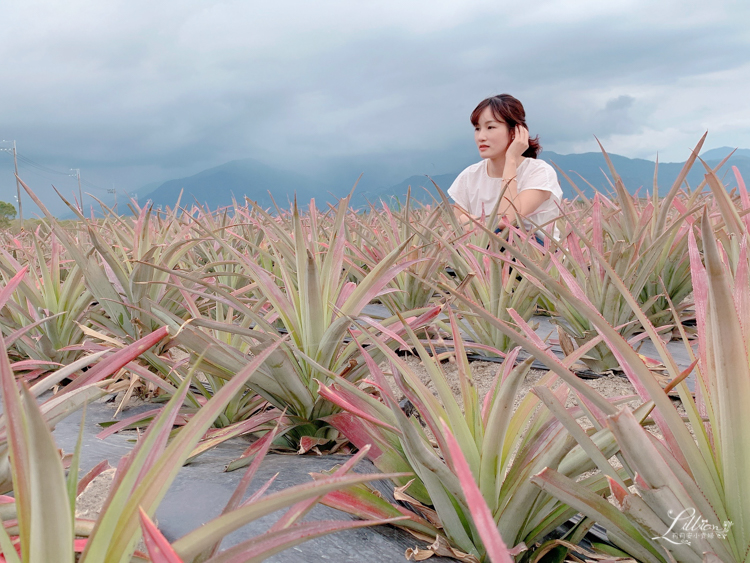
column 162, row 437
column 700, row 297
column 424, row 318
column 385, row 452
column 79, row 544
column 260, row 492
column 617, row 490
column 42, row 502
column 480, row 512
column 14, row 557
column 248, row 455
column 270, row 543
column 159, row 548
column 300, row 509
column 189, row 302
column 151, row 377
column 571, row 282
column 15, row 335
column 636, row 371
column 153, row 486
column 387, row 331
column 357, row 432
column 11, row 286
column 731, row 382
column 360, row 399
column 682, row 210
column 217, row 436
column 53, row 379
column 33, row 364
column 138, row 228
column 345, row 293
column 744, row 197
column 574, row 248
column 140, row 417
column 91, row 475
column 307, row 443
column 16, row 430
column 378, row 375
column 406, row 388
column 375, row 282
column 262, row 446
column 723, row 201
column 582, row 350
column 527, row 330
column 579, row 294
column 329, row 394
column 363, row 503
column 197, row 541
column 596, row 215
column 741, row 288
column 599, row 509
column 272, row 291
column 743, row 190
column 130, row 468
column 508, row 364
column 31, row 375
column 119, row 359
column 641, row 483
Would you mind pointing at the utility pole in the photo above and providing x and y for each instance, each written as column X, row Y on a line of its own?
column 113, row 191
column 18, row 185
column 80, row 193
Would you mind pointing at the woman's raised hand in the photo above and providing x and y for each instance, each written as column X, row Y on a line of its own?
column 519, row 144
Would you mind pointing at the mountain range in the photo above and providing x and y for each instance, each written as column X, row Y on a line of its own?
column 215, row 187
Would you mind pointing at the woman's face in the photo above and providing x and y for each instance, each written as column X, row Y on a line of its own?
column 491, row 135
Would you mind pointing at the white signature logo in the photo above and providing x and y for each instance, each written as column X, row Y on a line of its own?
column 688, row 525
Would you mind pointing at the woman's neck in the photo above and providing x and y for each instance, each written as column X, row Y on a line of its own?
column 495, row 167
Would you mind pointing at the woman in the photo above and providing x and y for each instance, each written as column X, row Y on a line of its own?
column 508, row 158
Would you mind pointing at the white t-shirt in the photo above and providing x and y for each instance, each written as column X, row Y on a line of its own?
column 476, row 191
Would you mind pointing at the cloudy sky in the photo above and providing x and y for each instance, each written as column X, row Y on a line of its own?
column 139, row 92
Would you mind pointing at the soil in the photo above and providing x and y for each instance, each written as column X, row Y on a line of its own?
column 91, row 500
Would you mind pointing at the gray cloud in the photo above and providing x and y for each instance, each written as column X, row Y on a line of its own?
column 618, row 104
column 136, row 92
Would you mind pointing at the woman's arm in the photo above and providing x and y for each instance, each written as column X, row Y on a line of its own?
column 525, row 203
column 463, row 216
column 528, row 201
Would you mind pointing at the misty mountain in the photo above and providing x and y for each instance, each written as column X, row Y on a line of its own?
column 637, row 174
column 722, row 152
column 216, row 186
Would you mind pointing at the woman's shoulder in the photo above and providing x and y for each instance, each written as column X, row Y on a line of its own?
column 475, row 169
column 537, row 165
column 539, row 174
column 537, row 170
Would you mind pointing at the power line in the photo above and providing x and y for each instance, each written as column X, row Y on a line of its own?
column 41, row 167
column 18, row 185
column 51, row 171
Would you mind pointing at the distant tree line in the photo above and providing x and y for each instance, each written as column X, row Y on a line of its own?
column 7, row 212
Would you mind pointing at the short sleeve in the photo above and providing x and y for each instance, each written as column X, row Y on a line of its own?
column 458, row 192
column 542, row 177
